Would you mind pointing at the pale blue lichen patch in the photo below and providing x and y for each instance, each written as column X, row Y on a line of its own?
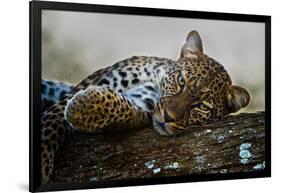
column 220, row 139
column 260, row 166
column 93, row 179
column 156, row 170
column 245, row 153
column 245, row 146
column 150, row 164
column 172, row 166
column 200, row 159
column 223, row 171
column 244, row 161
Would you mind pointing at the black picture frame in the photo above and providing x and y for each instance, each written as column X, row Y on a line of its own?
column 36, row 8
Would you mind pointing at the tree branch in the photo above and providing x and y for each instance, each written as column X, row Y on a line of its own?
column 235, row 144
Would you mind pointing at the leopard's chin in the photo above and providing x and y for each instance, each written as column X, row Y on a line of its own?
column 166, row 128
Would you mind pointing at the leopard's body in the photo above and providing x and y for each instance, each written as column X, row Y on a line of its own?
column 143, row 91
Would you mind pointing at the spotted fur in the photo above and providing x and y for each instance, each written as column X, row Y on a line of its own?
column 143, row 91
column 52, row 91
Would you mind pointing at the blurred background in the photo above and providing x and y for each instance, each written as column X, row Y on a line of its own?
column 74, row 44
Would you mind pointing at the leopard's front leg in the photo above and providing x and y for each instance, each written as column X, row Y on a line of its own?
column 100, row 107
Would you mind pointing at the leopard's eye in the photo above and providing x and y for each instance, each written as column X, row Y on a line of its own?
column 203, row 107
column 181, row 80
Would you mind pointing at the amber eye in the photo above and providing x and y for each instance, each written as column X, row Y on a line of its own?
column 203, row 107
column 181, row 80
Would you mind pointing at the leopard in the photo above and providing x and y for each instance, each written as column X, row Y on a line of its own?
column 52, row 91
column 167, row 95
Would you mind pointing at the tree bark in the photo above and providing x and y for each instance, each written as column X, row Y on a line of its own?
column 235, row 144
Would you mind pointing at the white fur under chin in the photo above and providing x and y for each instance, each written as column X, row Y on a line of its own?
column 162, row 130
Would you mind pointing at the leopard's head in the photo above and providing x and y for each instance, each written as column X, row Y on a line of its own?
column 197, row 90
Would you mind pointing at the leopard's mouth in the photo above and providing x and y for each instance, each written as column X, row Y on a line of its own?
column 162, row 126
column 167, row 128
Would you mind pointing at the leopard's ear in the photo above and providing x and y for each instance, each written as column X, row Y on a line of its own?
column 237, row 98
column 192, row 46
